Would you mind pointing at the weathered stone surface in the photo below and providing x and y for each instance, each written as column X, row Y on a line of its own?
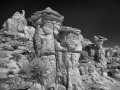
column 71, row 39
column 51, row 71
column 44, row 44
column 48, row 14
column 29, row 32
column 13, row 66
column 3, row 73
column 68, row 62
column 36, row 86
column 44, row 39
column 60, row 58
column 73, row 74
column 15, row 24
column 101, row 53
column 23, row 61
column 57, row 87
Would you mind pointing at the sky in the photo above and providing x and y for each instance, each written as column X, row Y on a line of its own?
column 92, row 17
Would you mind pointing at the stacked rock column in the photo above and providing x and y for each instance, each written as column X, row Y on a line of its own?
column 43, row 39
column 101, row 53
column 73, row 43
column 44, row 47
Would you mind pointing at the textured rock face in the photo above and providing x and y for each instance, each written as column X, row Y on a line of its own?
column 36, row 86
column 23, row 61
column 29, row 32
column 13, row 66
column 71, row 41
column 68, row 61
column 73, row 73
column 101, row 53
column 54, row 57
column 17, row 26
column 16, row 23
column 44, row 46
column 44, row 42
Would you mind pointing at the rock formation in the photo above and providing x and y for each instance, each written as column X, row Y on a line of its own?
column 50, row 56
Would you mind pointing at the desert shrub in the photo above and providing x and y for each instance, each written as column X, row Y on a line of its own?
column 36, row 71
column 31, row 56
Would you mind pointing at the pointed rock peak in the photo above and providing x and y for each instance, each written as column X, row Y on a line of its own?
column 48, row 8
column 16, row 15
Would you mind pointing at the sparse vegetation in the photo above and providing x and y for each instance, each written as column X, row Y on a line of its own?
column 36, row 71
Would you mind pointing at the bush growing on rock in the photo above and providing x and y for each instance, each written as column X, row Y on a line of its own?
column 36, row 71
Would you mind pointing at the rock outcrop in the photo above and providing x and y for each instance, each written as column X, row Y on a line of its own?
column 50, row 56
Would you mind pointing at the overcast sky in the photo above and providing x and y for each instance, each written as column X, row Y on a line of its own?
column 92, row 17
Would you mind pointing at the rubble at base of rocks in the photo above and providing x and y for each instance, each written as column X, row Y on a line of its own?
column 50, row 56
